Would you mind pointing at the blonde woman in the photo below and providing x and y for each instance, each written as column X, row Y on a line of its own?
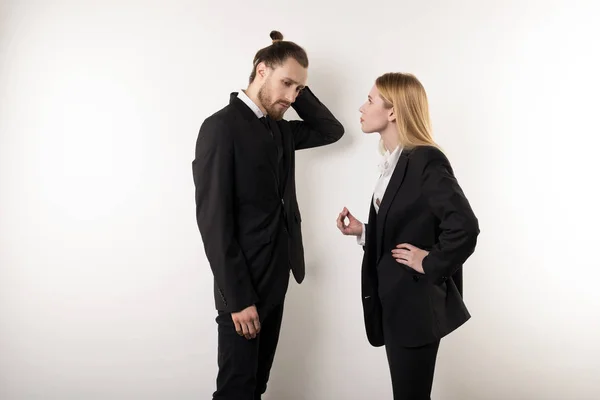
column 421, row 230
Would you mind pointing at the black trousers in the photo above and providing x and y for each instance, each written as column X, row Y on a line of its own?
column 244, row 365
column 411, row 368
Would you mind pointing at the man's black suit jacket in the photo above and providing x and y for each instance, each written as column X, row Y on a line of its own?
column 246, row 206
column 423, row 205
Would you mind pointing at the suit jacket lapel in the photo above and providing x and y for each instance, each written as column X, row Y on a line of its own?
column 388, row 197
column 258, row 128
column 268, row 140
column 371, row 235
column 286, row 143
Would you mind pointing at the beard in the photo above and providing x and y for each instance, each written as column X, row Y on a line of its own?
column 274, row 107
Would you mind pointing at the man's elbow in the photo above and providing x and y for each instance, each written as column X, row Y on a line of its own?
column 337, row 132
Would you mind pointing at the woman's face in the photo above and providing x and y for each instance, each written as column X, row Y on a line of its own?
column 375, row 116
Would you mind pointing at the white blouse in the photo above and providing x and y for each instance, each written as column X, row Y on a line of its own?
column 386, row 167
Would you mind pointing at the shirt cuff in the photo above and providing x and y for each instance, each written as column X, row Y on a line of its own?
column 361, row 240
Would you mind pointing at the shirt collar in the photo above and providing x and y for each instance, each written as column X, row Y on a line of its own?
column 252, row 105
column 389, row 160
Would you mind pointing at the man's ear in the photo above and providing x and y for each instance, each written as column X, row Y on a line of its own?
column 262, row 69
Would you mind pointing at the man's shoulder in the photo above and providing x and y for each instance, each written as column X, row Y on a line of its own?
column 221, row 119
column 226, row 113
column 215, row 129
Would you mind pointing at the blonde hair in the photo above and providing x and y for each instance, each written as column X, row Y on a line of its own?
column 406, row 95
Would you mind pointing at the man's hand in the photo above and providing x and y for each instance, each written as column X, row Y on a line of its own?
column 246, row 322
column 410, row 255
column 354, row 227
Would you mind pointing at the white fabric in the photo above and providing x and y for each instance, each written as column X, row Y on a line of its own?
column 386, row 166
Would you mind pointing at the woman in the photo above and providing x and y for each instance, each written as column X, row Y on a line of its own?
column 421, row 229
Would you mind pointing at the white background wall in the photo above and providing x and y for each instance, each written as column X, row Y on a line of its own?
column 105, row 292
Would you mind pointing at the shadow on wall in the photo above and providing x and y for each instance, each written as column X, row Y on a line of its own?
column 295, row 365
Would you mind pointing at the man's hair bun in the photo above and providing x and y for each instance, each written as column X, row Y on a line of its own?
column 276, row 36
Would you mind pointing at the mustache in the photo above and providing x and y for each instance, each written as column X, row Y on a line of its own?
column 284, row 103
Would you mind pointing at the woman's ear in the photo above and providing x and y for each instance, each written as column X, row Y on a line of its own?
column 391, row 115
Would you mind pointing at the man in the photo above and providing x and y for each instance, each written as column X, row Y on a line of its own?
column 247, row 211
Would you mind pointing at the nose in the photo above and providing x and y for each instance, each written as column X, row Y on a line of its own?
column 291, row 97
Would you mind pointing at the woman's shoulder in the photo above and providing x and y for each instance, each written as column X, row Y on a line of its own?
column 427, row 153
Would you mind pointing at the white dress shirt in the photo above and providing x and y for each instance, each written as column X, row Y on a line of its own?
column 386, row 167
column 244, row 97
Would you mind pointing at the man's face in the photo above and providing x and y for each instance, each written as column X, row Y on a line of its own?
column 281, row 86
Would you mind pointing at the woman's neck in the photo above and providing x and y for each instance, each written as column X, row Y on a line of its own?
column 390, row 138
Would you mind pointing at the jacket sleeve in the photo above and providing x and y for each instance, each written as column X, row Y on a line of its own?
column 214, row 182
column 458, row 224
column 318, row 126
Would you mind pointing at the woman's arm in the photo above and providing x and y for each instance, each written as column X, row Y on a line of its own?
column 459, row 225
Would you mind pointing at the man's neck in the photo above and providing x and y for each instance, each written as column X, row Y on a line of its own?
column 252, row 93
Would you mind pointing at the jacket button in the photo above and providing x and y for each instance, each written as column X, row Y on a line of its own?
column 416, row 278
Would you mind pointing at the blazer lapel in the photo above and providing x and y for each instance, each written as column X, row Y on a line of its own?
column 286, row 144
column 266, row 138
column 258, row 128
column 371, row 235
column 388, row 197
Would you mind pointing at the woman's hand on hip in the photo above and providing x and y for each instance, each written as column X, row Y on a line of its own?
column 354, row 226
column 410, row 255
